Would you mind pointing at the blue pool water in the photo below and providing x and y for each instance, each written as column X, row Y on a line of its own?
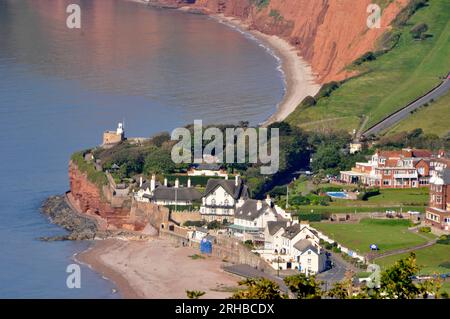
column 338, row 195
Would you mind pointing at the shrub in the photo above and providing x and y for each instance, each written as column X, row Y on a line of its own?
column 194, row 223
column 425, row 229
column 308, row 101
column 311, row 217
column 366, row 57
column 327, row 89
column 418, row 31
column 444, row 240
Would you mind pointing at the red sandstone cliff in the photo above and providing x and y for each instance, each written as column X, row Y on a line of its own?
column 330, row 34
column 87, row 198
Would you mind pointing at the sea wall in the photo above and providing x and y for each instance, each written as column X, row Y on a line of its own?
column 329, row 34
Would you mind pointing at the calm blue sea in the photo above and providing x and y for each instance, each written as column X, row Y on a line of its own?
column 60, row 89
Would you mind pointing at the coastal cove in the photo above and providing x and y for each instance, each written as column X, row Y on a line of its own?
column 72, row 87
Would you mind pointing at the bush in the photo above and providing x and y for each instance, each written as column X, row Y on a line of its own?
column 366, row 57
column 336, row 250
column 425, row 229
column 311, row 217
column 308, row 101
column 194, row 223
column 327, row 89
column 444, row 240
column 418, row 31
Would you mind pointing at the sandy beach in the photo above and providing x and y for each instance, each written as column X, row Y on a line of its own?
column 157, row 269
column 299, row 77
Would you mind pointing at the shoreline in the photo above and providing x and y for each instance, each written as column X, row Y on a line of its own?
column 297, row 73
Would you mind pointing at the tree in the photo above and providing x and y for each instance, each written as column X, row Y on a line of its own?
column 343, row 289
column 304, row 287
column 258, row 289
column 159, row 162
column 194, row 294
column 430, row 286
column 418, row 31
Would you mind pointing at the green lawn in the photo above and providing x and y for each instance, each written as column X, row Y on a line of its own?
column 434, row 259
column 389, row 199
column 387, row 234
column 393, row 80
column 439, row 125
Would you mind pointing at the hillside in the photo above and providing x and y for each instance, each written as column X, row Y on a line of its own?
column 391, row 81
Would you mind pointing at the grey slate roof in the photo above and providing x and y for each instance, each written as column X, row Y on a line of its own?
column 248, row 210
column 291, row 231
column 209, row 167
column 304, row 245
column 241, row 190
column 275, row 226
column 181, row 193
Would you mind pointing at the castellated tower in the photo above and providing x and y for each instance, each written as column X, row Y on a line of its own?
column 114, row 137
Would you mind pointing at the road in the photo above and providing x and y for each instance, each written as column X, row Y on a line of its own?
column 336, row 273
column 396, row 117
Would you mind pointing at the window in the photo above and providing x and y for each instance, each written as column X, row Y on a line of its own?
column 226, row 202
column 386, row 182
column 213, row 202
column 309, row 261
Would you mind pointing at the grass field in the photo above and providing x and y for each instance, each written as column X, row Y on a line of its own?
column 387, row 234
column 389, row 199
column 391, row 81
column 433, row 260
column 439, row 125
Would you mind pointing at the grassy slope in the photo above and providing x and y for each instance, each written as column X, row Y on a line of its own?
column 428, row 119
column 392, row 81
column 434, row 259
column 387, row 234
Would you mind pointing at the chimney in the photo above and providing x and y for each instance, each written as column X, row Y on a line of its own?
column 226, row 177
column 165, row 182
column 294, row 220
column 258, row 205
column 236, row 180
column 240, row 202
column 268, row 200
column 177, row 183
column 189, row 182
column 140, row 181
column 153, row 183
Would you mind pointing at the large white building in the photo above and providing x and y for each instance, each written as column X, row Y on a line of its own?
column 220, row 198
column 167, row 196
column 252, row 216
column 290, row 245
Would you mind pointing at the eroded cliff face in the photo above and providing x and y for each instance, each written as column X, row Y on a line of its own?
column 88, row 198
column 330, row 34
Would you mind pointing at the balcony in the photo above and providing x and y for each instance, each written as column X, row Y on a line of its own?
column 406, row 175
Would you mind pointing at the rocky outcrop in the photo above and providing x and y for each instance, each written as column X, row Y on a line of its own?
column 87, row 197
column 81, row 226
column 329, row 34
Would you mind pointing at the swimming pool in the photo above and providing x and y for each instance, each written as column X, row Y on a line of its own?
column 342, row 195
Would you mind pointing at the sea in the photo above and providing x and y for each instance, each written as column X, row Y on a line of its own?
column 60, row 88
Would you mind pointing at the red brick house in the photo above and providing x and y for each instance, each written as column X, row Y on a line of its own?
column 438, row 211
column 408, row 168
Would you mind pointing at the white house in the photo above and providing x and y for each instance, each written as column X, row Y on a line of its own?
column 309, row 258
column 293, row 246
column 207, row 170
column 252, row 216
column 167, row 196
column 220, row 198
